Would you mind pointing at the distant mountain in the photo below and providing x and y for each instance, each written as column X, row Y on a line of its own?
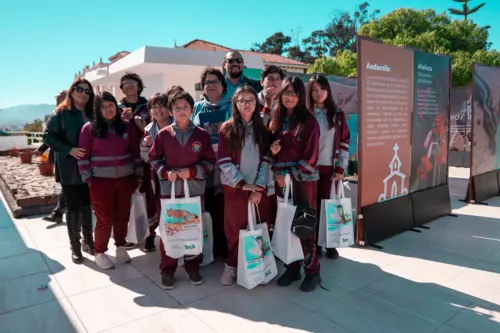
column 18, row 116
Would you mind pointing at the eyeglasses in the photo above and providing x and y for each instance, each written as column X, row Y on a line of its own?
column 290, row 93
column 237, row 60
column 130, row 83
column 246, row 101
column 81, row 90
column 212, row 83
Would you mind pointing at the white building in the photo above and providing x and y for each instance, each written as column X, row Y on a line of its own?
column 162, row 67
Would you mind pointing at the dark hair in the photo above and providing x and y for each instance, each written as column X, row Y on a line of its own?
column 158, row 99
column 235, row 132
column 330, row 106
column 272, row 69
column 174, row 89
column 68, row 104
column 300, row 112
column 100, row 126
column 178, row 96
column 216, row 72
column 136, row 78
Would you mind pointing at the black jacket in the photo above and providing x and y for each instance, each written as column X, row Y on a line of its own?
column 61, row 135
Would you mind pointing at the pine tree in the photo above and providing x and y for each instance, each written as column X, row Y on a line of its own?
column 466, row 10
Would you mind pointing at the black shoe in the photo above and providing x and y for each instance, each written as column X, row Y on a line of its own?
column 195, row 277
column 76, row 254
column 53, row 218
column 311, row 282
column 150, row 244
column 332, row 253
column 88, row 248
column 129, row 246
column 289, row 276
column 167, row 281
column 319, row 251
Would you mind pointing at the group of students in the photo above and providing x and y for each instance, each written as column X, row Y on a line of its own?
column 231, row 147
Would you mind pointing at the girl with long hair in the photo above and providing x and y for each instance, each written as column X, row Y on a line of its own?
column 333, row 141
column 61, row 134
column 295, row 151
column 244, row 163
column 112, row 166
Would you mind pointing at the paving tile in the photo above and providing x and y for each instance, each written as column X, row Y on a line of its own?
column 75, row 279
column 24, row 291
column 51, row 317
column 119, row 304
column 477, row 318
column 361, row 311
column 184, row 322
column 22, row 265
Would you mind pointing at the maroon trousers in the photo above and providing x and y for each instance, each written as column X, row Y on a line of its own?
column 235, row 219
column 168, row 265
column 310, row 262
column 111, row 199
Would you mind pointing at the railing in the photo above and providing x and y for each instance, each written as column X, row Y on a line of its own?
column 20, row 140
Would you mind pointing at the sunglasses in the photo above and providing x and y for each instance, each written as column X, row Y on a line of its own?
column 237, row 60
column 81, row 90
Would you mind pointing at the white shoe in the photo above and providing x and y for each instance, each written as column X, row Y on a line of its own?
column 228, row 276
column 122, row 256
column 102, row 260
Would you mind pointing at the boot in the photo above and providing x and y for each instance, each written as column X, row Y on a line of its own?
column 88, row 236
column 73, row 218
column 290, row 275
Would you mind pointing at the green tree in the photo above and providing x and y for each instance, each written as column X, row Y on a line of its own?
column 466, row 10
column 275, row 44
column 36, row 126
column 436, row 33
column 343, row 64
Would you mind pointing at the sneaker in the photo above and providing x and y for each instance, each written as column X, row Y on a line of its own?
column 167, row 281
column 122, row 256
column 76, row 255
column 53, row 218
column 332, row 253
column 195, row 278
column 129, row 246
column 103, row 261
column 87, row 248
column 311, row 282
column 289, row 276
column 150, row 244
column 228, row 276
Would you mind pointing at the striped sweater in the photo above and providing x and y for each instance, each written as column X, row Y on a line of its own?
column 111, row 157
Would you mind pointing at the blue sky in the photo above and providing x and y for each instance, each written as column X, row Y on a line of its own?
column 43, row 43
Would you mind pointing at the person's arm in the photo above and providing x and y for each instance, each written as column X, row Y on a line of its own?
column 52, row 133
column 309, row 157
column 136, row 153
column 201, row 170
column 263, row 173
column 345, row 140
column 43, row 148
column 84, row 164
column 228, row 169
column 157, row 157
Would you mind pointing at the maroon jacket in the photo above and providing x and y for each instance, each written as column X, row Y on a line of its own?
column 111, row 157
column 174, row 150
column 299, row 154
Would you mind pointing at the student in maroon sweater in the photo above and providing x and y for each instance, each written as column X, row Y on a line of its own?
column 244, row 163
column 333, row 141
column 112, row 166
column 181, row 151
column 296, row 154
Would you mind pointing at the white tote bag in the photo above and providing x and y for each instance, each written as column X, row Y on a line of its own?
column 256, row 264
column 208, row 239
column 286, row 245
column 336, row 225
column 138, row 224
column 181, row 228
